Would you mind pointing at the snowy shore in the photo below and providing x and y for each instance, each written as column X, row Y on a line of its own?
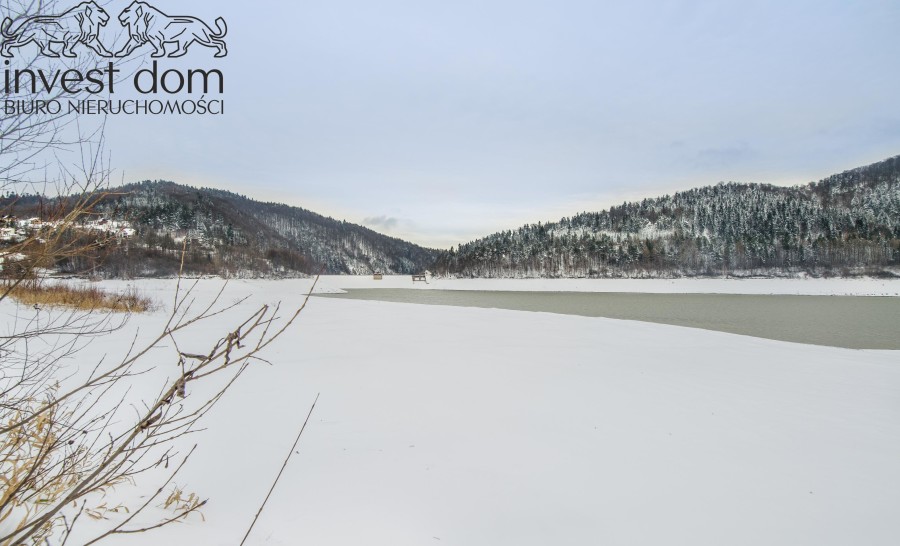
column 804, row 287
column 464, row 426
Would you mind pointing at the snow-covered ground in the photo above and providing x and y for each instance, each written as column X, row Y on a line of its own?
column 465, row 426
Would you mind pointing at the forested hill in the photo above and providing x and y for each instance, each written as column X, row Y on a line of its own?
column 230, row 234
column 242, row 234
column 848, row 223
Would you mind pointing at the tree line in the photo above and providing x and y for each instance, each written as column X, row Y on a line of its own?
column 845, row 224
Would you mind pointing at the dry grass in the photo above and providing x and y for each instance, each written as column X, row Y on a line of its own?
column 87, row 298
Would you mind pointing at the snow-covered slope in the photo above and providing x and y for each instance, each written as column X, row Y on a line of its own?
column 227, row 234
column 846, row 224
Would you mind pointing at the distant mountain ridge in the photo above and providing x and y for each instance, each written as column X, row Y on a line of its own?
column 230, row 234
column 848, row 223
column 845, row 224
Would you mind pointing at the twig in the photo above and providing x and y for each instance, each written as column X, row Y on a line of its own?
column 278, row 477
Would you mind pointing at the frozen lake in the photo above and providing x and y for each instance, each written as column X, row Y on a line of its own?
column 838, row 321
column 458, row 425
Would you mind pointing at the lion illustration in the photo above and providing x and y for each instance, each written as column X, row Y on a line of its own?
column 147, row 24
column 81, row 24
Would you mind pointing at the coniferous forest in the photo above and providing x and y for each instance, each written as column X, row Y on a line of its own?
column 846, row 224
column 223, row 233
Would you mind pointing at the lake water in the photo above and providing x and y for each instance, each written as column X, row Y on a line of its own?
column 838, row 321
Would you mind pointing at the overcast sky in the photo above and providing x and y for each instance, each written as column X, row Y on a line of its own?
column 440, row 121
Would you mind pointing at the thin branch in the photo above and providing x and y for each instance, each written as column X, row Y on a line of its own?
column 278, row 477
